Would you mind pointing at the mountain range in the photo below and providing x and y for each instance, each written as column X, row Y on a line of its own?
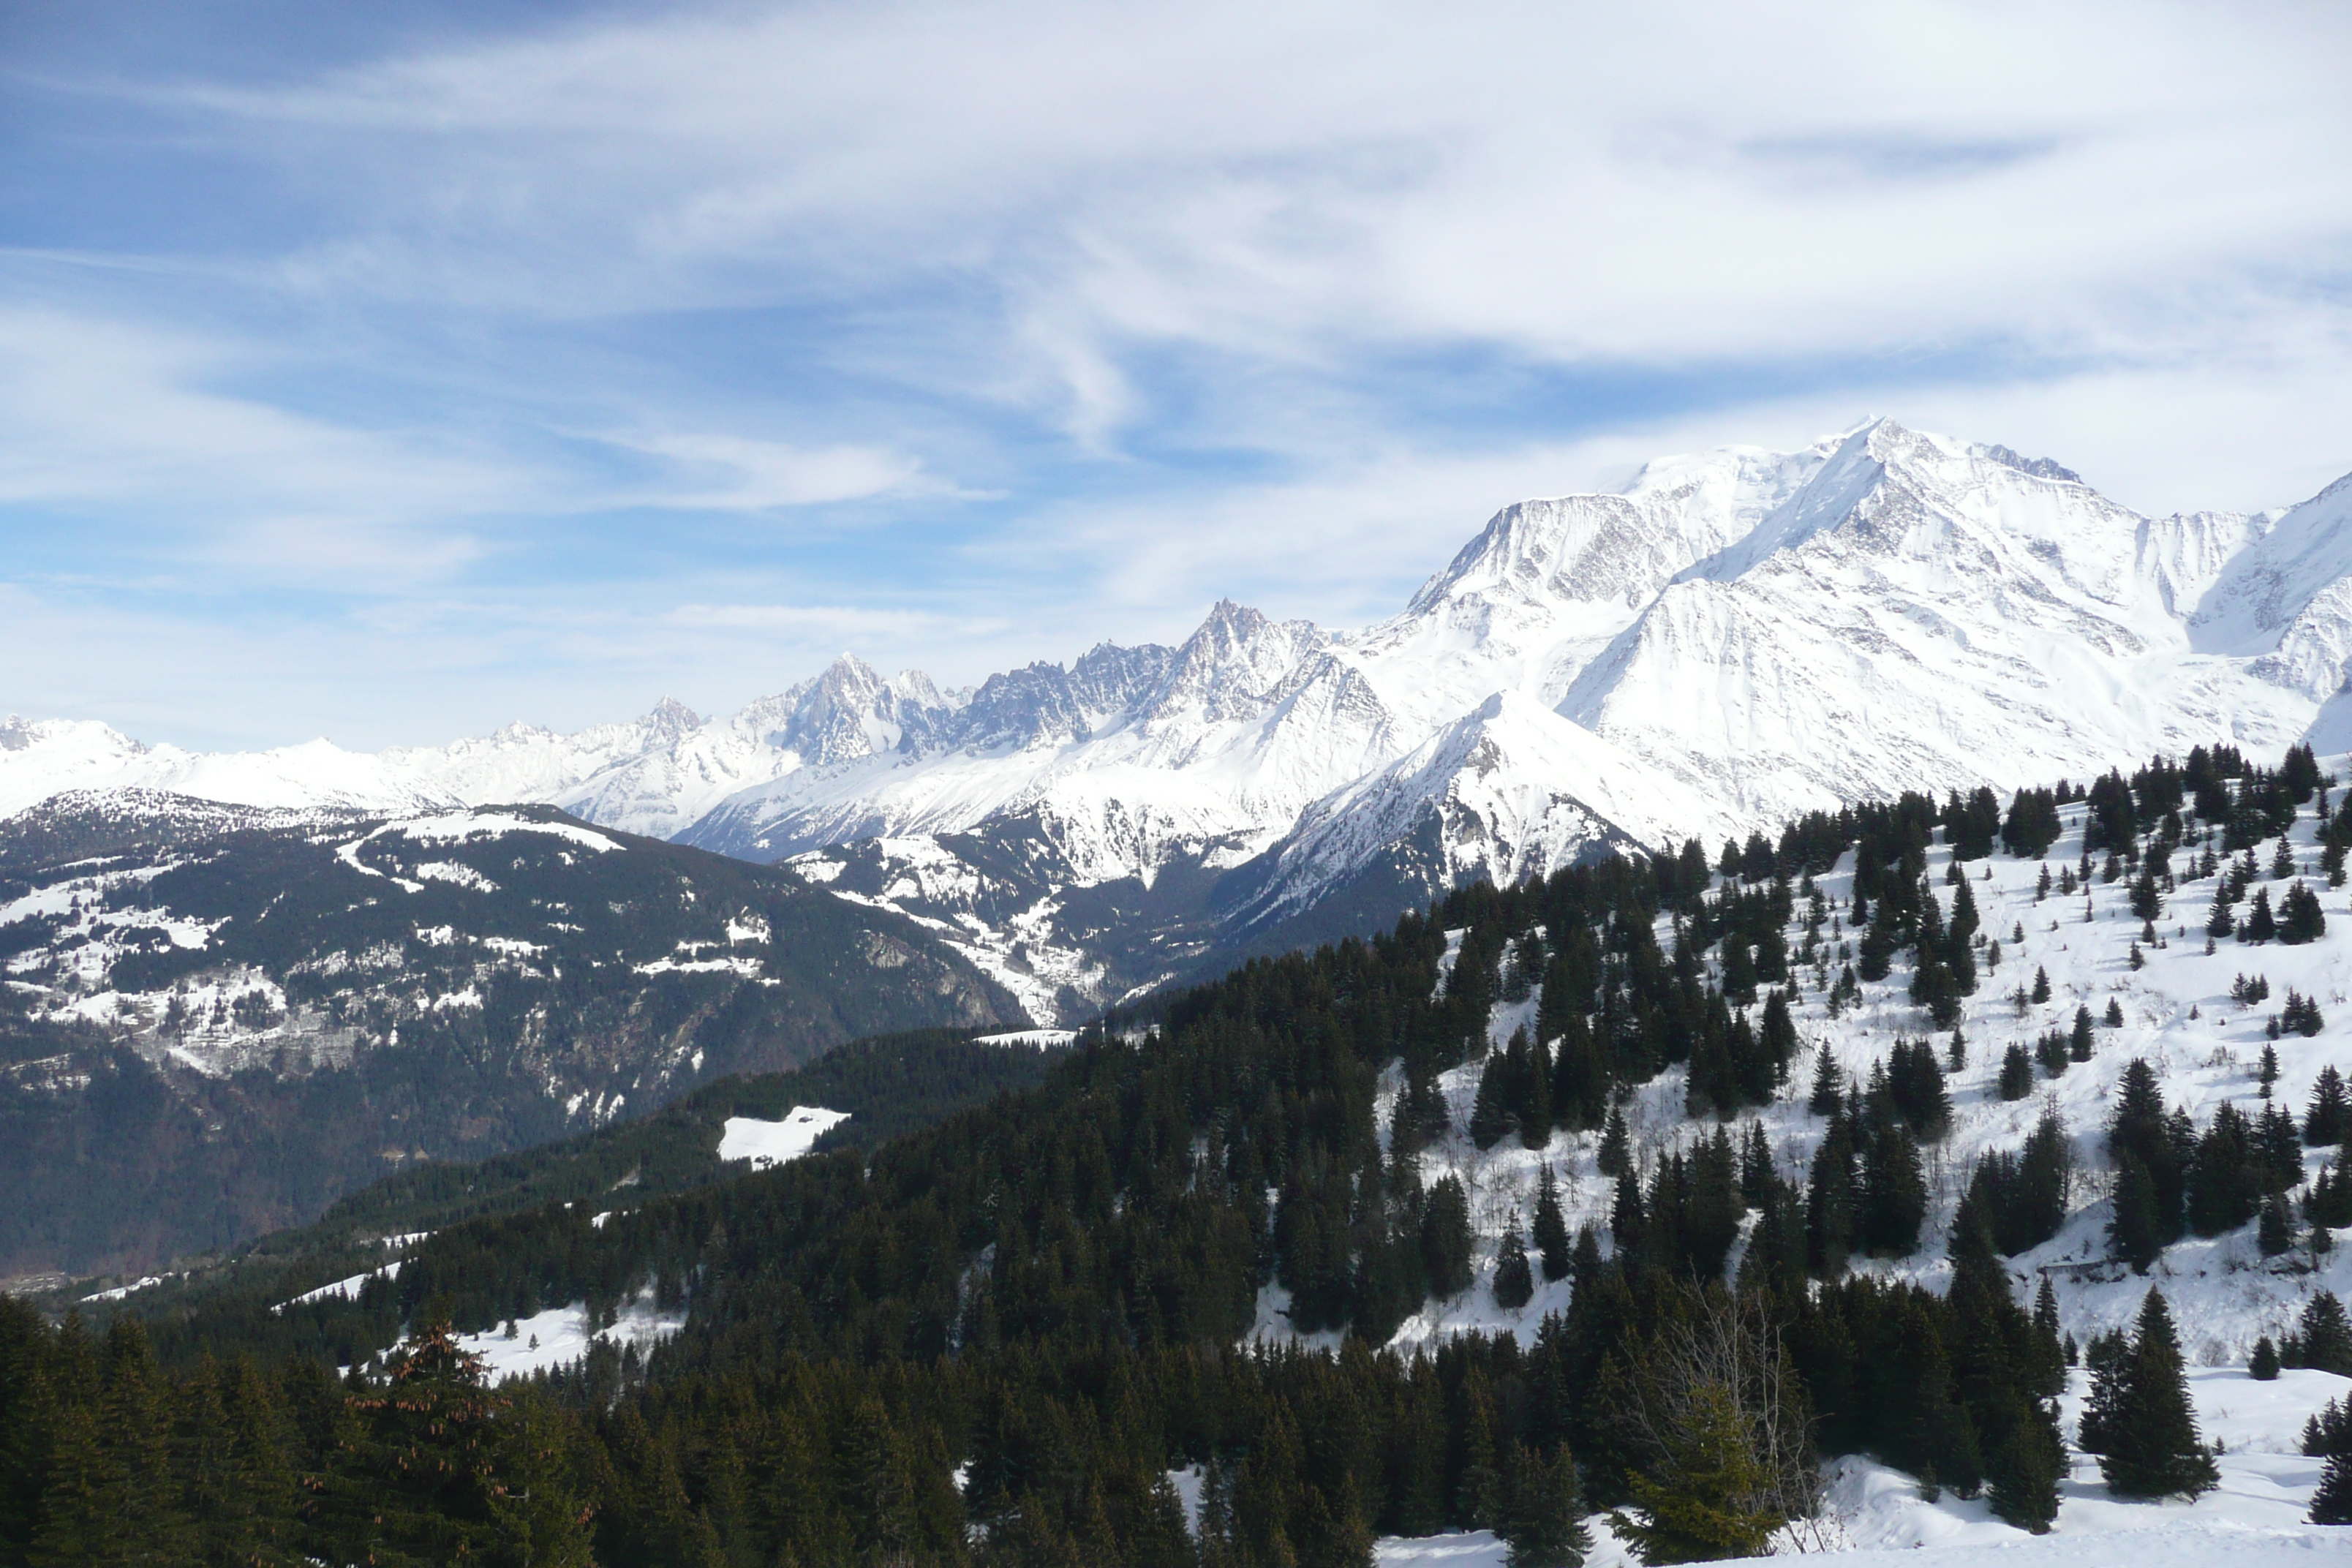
column 1732, row 639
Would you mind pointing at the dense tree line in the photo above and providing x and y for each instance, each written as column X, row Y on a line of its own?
column 1044, row 1295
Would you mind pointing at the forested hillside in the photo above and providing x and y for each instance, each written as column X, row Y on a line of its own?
column 1650, row 1121
column 216, row 1023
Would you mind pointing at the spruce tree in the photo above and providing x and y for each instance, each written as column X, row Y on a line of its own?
column 1552, row 1228
column 2025, row 1469
column 2264, row 1367
column 2325, row 1335
column 1825, row 1099
column 1445, row 1238
column 2152, row 1449
column 2332, row 1503
column 2275, row 1235
column 1615, row 1155
column 1514, row 1280
column 2132, row 1233
column 2330, row 1112
column 1544, row 1522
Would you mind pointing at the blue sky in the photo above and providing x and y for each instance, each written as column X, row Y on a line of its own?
column 391, row 377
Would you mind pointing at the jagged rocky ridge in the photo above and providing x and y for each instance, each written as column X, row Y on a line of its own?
column 1734, row 638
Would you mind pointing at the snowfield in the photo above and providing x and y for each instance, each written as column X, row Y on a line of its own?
column 2255, row 1516
column 765, row 1143
column 558, row 1336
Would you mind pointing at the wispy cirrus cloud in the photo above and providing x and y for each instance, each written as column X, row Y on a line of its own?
column 493, row 336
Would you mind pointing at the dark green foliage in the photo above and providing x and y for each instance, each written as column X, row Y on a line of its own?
column 2031, row 826
column 2276, row 1232
column 2331, row 1502
column 1544, row 1524
column 1445, row 1238
column 2323, row 1337
column 2329, row 1115
column 1550, row 1228
column 2139, row 1130
column 2149, row 1430
column 2260, row 925
column 2300, row 918
column 2016, row 1073
column 1514, row 1279
column 2264, row 1366
column 2022, row 1198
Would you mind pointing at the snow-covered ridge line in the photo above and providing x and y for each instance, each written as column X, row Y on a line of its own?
column 1734, row 638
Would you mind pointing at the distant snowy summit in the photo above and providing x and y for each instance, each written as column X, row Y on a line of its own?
column 1734, row 638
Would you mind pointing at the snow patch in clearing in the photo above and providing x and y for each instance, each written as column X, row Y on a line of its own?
column 768, row 1144
column 558, row 1336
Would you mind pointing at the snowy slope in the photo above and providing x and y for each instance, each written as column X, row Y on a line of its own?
column 2224, row 1294
column 1734, row 637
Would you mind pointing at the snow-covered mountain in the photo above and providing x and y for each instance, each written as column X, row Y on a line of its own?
column 1734, row 638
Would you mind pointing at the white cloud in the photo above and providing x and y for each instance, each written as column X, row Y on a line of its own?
column 131, row 424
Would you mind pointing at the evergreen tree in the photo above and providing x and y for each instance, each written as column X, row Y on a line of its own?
column 2300, row 918
column 2025, row 1470
column 2152, row 1446
column 2260, row 925
column 1823, row 1100
column 2276, row 1233
column 1552, row 1228
column 1615, row 1155
column 2016, row 1073
column 1514, row 1280
column 1544, row 1525
column 2330, row 1114
column 422, row 1471
column 1702, row 1502
column 1894, row 1194
column 2265, row 1365
column 2134, row 1233
column 111, row 1496
column 2332, row 1503
column 1445, row 1238
column 2324, row 1335
column 2040, row 984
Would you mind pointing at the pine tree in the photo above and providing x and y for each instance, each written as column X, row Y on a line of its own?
column 2115, row 1020
column 2265, row 1365
column 2300, row 918
column 1544, row 1524
column 1702, row 1502
column 2152, row 1449
column 1445, row 1238
column 2276, row 1233
column 2025, row 1470
column 1491, row 1113
column 1615, row 1155
column 2330, row 1114
column 1552, row 1228
column 422, row 1470
column 1514, row 1280
column 2016, row 1073
column 111, row 1496
column 2332, row 1503
column 2325, row 1335
column 2041, row 984
column 2133, row 1233
column 2260, row 925
column 1825, row 1099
